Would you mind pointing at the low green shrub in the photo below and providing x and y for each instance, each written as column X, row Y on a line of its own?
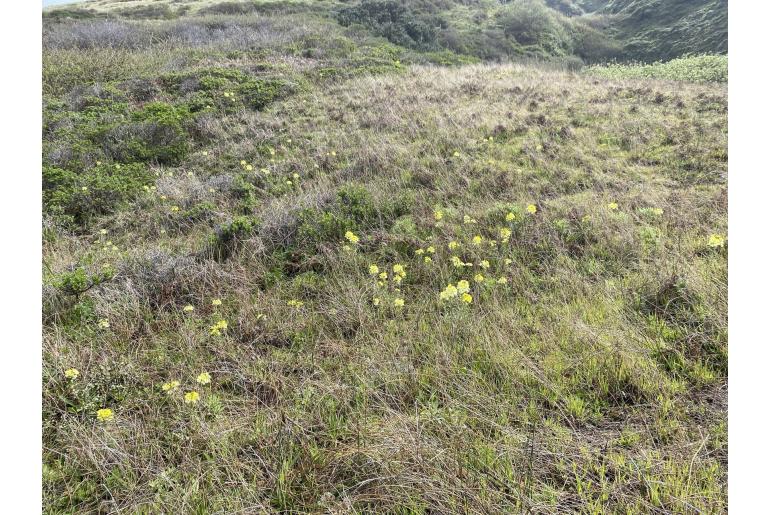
column 702, row 68
column 222, row 243
column 79, row 280
column 78, row 197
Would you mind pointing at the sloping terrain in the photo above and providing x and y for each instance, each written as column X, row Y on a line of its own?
column 566, row 30
column 292, row 267
column 659, row 30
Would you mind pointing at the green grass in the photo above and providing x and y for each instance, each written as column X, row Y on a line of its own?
column 587, row 373
column 704, row 68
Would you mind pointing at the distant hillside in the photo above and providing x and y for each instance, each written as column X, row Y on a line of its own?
column 576, row 31
column 653, row 30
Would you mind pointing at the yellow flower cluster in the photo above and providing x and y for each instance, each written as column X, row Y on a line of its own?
column 216, row 329
column 71, row 373
column 399, row 273
column 170, row 386
column 461, row 290
column 191, row 397
column 716, row 240
column 105, row 415
column 295, row 303
column 352, row 238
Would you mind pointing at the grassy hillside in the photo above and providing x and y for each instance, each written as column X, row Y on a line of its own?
column 291, row 266
column 652, row 30
column 589, row 31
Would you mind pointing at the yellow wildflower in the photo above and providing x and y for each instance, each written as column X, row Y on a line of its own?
column 456, row 154
column 103, row 231
column 191, row 397
column 419, row 252
column 217, row 328
column 105, row 415
column 104, row 323
column 449, row 292
column 431, row 250
column 716, row 240
column 249, row 168
column 478, row 278
column 477, row 240
column 203, row 378
column 456, row 261
column 463, row 286
column 171, row 386
column 399, row 270
column 453, row 245
column 188, row 308
column 295, row 303
column 376, row 301
column 438, row 215
column 467, row 298
column 352, row 238
column 216, row 302
column 71, row 373
column 502, row 280
column 505, row 234
column 374, row 270
column 428, row 260
column 510, row 217
column 399, row 303
column 484, row 264
column 532, row 209
column 612, row 206
column 174, row 209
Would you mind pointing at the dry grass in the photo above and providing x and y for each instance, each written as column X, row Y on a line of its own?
column 593, row 381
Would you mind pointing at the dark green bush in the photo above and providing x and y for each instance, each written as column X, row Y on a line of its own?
column 79, row 280
column 531, row 23
column 224, row 240
column 95, row 191
column 395, row 21
column 354, row 209
column 157, row 134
